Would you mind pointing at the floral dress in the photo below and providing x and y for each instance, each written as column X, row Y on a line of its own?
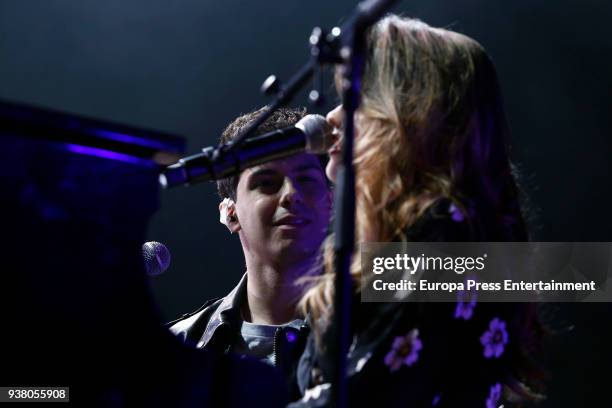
column 415, row 354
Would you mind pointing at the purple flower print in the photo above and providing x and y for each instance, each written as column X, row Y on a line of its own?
column 494, row 396
column 465, row 309
column 456, row 214
column 404, row 350
column 495, row 339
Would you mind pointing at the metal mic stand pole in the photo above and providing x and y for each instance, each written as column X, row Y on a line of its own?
column 352, row 53
column 344, row 225
column 282, row 98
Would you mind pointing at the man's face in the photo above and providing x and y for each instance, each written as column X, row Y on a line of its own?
column 283, row 208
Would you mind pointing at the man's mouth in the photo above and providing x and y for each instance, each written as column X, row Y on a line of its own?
column 292, row 220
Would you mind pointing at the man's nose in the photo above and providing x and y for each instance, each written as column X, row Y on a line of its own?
column 290, row 194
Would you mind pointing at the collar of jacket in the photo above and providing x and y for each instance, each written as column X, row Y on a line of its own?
column 227, row 314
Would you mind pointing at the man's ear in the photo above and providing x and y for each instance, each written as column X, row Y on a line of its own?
column 228, row 216
column 233, row 224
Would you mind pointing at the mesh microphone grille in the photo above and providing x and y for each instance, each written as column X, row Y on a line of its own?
column 318, row 133
column 156, row 257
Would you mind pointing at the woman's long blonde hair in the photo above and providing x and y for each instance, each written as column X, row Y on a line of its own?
column 431, row 125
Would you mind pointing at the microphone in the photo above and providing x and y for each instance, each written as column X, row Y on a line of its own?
column 311, row 134
column 156, row 257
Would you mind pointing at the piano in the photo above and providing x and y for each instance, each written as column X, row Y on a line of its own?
column 76, row 196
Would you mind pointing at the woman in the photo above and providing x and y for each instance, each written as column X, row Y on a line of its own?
column 431, row 165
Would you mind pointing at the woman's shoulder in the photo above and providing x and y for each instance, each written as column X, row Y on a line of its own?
column 443, row 220
column 451, row 220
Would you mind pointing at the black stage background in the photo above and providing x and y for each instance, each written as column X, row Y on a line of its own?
column 189, row 67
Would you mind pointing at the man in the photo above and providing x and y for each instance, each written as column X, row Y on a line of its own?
column 280, row 211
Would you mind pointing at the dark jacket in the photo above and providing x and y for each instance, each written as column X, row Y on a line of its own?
column 421, row 354
column 216, row 326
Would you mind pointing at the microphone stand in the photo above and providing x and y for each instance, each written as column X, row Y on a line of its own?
column 352, row 53
column 212, row 160
column 282, row 98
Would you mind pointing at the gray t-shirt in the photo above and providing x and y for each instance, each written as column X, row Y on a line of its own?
column 258, row 339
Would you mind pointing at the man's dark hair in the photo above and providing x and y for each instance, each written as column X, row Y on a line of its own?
column 280, row 119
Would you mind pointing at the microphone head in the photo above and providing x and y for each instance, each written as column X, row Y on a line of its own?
column 156, row 257
column 318, row 133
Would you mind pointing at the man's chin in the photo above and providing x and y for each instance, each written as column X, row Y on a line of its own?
column 294, row 248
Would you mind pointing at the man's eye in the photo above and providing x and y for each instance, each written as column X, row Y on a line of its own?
column 266, row 183
column 307, row 179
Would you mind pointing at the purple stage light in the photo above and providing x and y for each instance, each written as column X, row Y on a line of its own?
column 107, row 154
